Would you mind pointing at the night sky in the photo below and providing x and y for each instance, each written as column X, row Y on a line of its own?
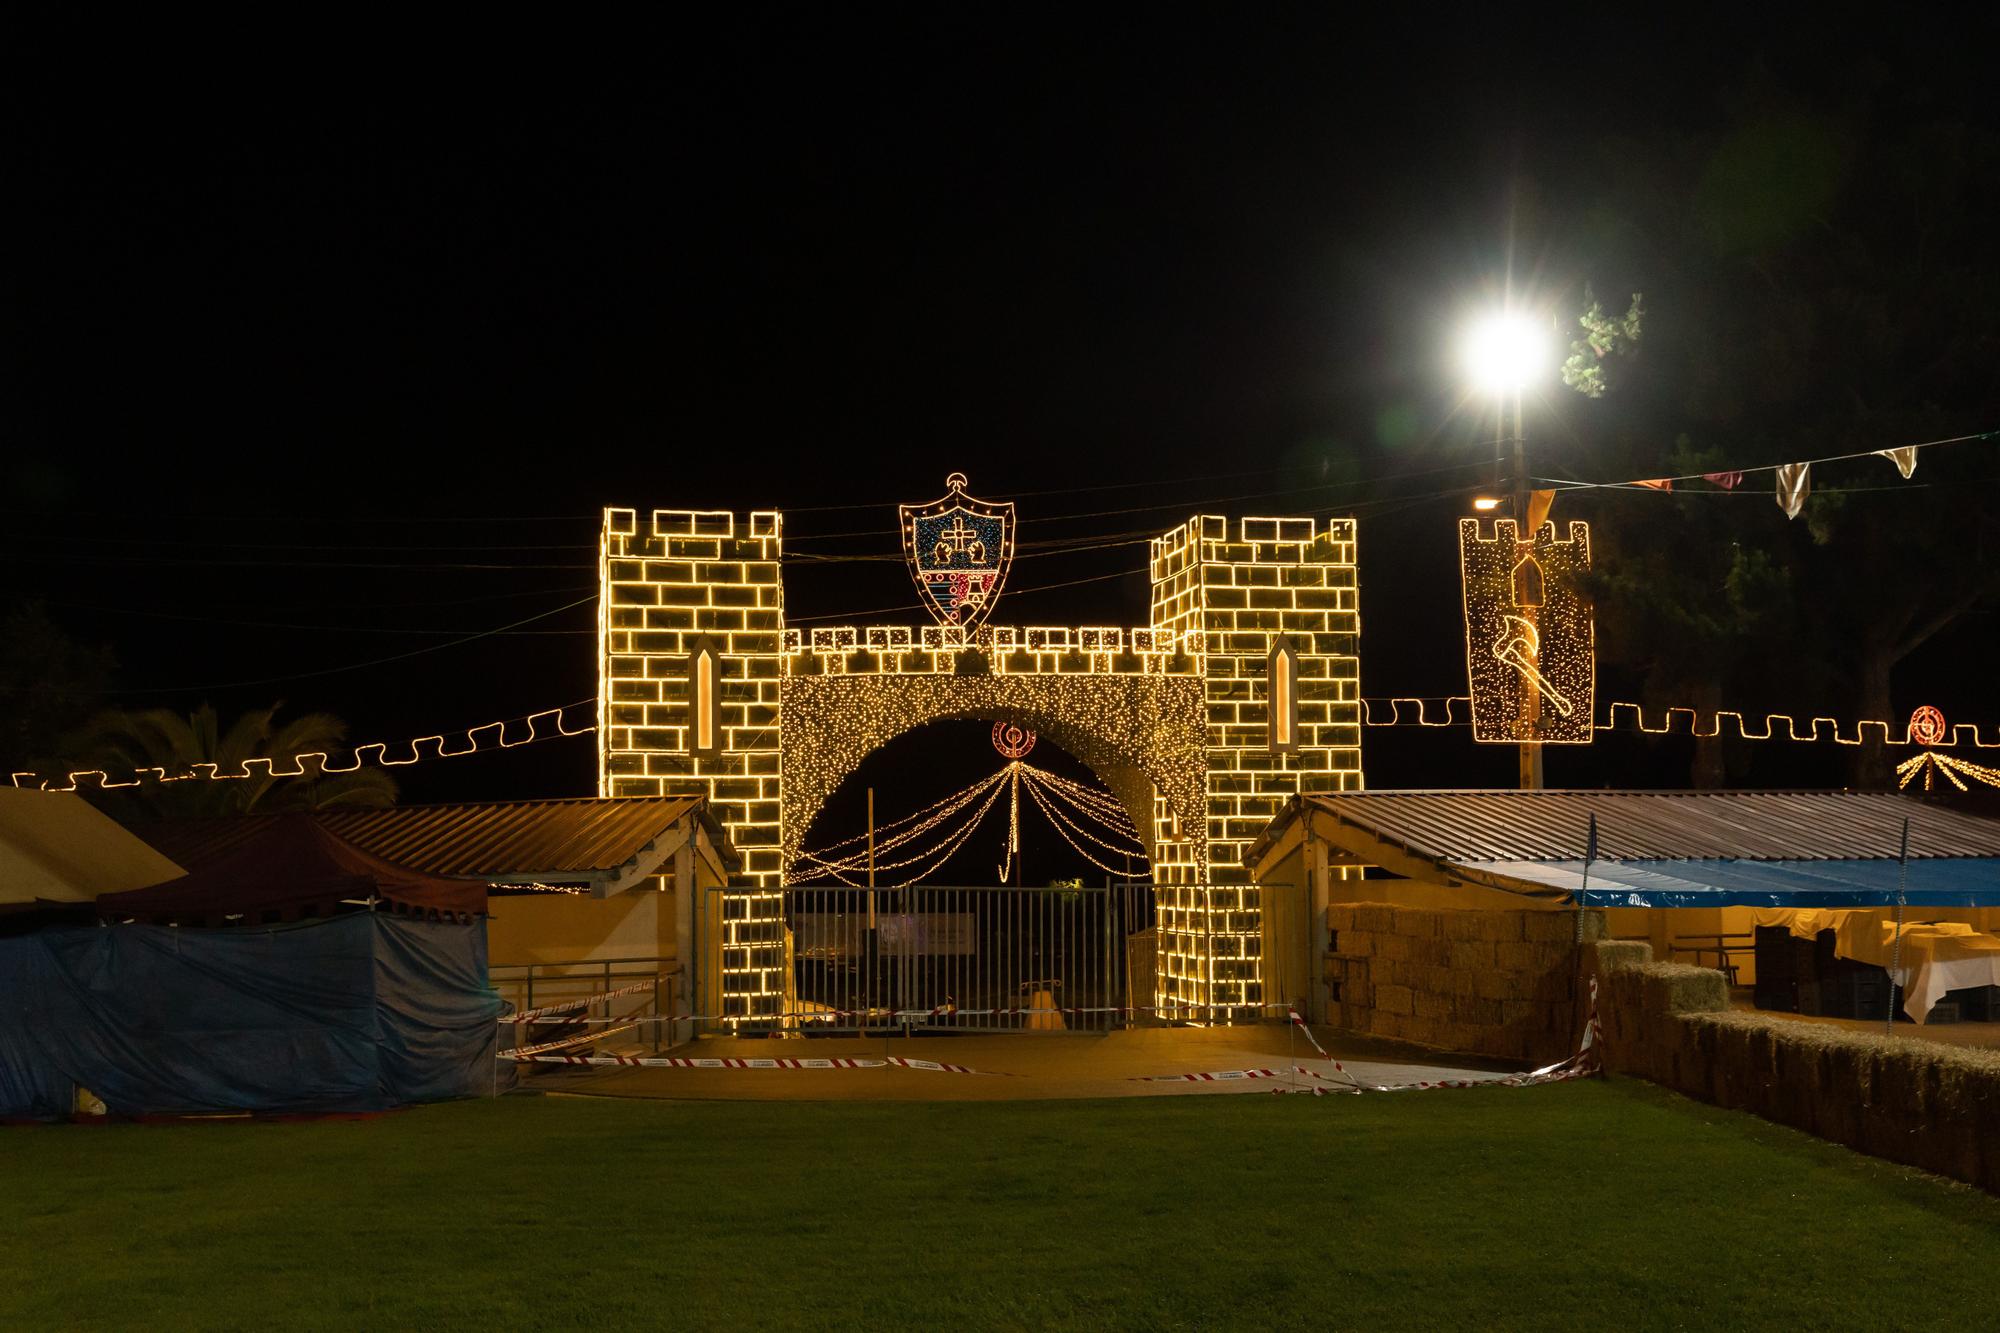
column 303, row 372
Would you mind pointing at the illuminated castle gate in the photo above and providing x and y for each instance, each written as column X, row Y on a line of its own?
column 1242, row 692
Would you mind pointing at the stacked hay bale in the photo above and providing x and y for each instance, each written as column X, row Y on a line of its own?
column 1921, row 1103
column 1481, row 982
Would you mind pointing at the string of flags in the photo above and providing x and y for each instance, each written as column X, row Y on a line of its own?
column 1793, row 480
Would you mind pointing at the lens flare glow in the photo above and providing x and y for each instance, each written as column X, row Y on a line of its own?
column 1503, row 352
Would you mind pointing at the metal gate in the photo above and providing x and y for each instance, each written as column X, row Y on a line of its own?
column 991, row 959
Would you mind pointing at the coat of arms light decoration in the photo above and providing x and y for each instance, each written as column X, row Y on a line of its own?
column 959, row 549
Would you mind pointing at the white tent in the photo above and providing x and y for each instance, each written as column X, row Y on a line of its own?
column 56, row 847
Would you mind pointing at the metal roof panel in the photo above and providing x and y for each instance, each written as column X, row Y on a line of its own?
column 1553, row 825
column 559, row 839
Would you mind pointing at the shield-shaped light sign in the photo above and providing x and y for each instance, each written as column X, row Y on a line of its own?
column 958, row 550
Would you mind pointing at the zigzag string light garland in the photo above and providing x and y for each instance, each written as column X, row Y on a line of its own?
column 1401, row 711
column 549, row 724
column 1407, row 711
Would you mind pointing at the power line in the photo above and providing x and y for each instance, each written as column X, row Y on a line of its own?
column 329, row 671
column 1773, row 467
column 300, row 625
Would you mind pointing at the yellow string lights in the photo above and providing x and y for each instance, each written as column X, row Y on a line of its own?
column 1050, row 791
column 1530, row 659
column 1623, row 715
column 1930, row 763
column 549, row 724
column 1173, row 715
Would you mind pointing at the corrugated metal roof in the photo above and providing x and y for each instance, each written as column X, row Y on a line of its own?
column 555, row 840
column 1476, row 826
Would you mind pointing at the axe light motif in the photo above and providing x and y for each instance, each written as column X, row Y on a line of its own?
column 1519, row 646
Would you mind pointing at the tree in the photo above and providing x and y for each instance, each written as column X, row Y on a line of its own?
column 1687, row 605
column 49, row 683
column 1820, row 281
column 122, row 742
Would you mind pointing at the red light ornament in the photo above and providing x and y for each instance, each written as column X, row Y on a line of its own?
column 1927, row 726
column 1011, row 741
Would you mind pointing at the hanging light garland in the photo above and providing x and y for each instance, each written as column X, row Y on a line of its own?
column 948, row 819
column 1927, row 728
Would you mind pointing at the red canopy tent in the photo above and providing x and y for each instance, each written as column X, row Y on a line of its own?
column 293, row 868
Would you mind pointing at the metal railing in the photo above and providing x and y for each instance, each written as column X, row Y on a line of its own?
column 939, row 958
column 650, row 998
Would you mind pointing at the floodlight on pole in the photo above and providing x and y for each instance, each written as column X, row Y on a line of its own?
column 1503, row 352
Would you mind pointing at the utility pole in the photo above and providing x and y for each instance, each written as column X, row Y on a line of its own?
column 1531, row 698
column 869, row 950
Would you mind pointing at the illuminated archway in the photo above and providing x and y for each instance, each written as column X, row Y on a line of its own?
column 1140, row 734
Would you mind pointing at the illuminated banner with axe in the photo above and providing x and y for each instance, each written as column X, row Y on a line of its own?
column 1531, row 661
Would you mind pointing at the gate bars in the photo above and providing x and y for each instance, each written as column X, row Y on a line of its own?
column 997, row 958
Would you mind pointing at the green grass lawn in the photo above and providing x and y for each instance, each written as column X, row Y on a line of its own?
column 1596, row 1201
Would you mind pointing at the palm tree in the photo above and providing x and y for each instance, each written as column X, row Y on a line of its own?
column 124, row 741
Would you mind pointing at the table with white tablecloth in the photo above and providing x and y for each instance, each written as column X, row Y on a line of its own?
column 1935, row 957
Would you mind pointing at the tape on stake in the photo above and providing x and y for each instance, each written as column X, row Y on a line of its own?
column 588, row 1000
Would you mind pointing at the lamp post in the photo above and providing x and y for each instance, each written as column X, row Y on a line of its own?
column 1503, row 352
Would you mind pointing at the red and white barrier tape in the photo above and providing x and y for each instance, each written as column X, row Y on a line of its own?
column 696, row 1062
column 583, row 1003
column 886, row 1016
column 1580, row 1065
column 529, row 1056
column 932, row 1065
column 577, row 1040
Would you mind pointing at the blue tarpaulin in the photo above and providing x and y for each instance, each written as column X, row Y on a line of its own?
column 1962, row 881
column 358, row 1012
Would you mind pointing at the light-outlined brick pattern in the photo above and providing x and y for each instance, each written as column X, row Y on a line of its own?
column 671, row 580
column 1223, row 592
column 1240, row 584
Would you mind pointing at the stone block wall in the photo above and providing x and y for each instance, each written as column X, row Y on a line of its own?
column 1496, row 983
column 1921, row 1103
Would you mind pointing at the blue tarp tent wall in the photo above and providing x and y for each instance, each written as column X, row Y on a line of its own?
column 358, row 1012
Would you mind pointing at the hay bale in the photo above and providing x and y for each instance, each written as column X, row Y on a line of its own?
column 1418, row 923
column 1429, row 1004
column 1471, row 955
column 1398, row 1000
column 1393, row 947
column 1544, row 926
column 1622, row 953
column 1431, row 952
column 1340, row 916
column 1502, row 927
column 1376, row 918
column 1793, row 1098
column 1593, row 928
column 1677, row 988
